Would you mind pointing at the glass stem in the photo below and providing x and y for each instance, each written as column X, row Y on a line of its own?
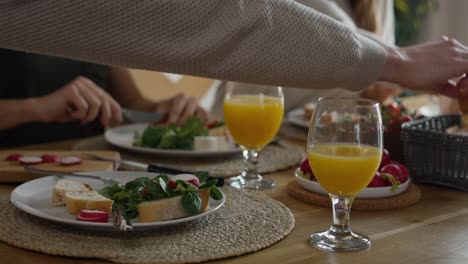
column 250, row 164
column 341, row 208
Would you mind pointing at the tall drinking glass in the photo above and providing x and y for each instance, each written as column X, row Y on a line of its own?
column 253, row 115
column 344, row 149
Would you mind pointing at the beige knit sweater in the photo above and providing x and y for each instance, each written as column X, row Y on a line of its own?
column 277, row 42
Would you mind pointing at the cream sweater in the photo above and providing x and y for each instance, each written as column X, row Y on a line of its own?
column 277, row 42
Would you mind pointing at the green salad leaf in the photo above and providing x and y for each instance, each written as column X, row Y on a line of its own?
column 171, row 136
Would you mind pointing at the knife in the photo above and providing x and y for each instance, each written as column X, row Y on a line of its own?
column 134, row 116
column 158, row 168
column 58, row 173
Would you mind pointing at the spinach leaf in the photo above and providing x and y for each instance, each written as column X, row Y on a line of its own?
column 215, row 193
column 191, row 203
column 153, row 135
column 202, row 175
column 209, row 184
column 168, row 140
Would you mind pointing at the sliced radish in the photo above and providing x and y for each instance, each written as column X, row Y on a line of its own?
column 102, row 219
column 93, row 213
column 190, row 178
column 30, row 160
column 71, row 160
column 13, row 157
column 50, row 158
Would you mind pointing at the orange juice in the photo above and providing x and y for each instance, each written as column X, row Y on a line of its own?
column 344, row 169
column 253, row 120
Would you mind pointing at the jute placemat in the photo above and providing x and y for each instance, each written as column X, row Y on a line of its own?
column 248, row 222
column 411, row 196
column 274, row 157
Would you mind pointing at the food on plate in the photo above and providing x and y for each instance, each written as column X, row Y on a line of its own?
column 67, row 185
column 13, row 157
column 93, row 216
column 50, row 158
column 70, row 160
column 30, row 160
column 309, row 111
column 306, row 171
column 158, row 199
column 90, row 200
column 395, row 114
column 190, row 136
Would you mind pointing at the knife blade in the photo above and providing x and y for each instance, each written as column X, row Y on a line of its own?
column 157, row 168
column 134, row 116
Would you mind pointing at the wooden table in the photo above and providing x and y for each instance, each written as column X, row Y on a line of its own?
column 433, row 231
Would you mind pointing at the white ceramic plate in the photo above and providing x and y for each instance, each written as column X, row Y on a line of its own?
column 34, row 198
column 296, row 117
column 123, row 137
column 378, row 192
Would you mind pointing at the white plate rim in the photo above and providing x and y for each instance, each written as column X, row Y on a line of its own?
column 103, row 226
column 296, row 117
column 367, row 193
column 110, row 138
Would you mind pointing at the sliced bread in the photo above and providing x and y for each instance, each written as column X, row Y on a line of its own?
column 64, row 185
column 90, row 200
column 167, row 209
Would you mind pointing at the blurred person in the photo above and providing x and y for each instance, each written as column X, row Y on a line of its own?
column 46, row 98
column 270, row 42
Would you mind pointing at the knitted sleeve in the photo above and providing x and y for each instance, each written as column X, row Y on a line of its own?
column 276, row 42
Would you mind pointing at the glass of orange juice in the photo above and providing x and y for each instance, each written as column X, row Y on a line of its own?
column 344, row 149
column 253, row 115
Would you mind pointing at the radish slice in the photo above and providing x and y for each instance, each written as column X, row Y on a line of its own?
column 71, row 160
column 49, row 158
column 93, row 213
column 13, row 157
column 104, row 219
column 30, row 160
column 190, row 178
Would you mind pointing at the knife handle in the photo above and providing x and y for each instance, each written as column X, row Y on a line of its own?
column 170, row 170
column 165, row 169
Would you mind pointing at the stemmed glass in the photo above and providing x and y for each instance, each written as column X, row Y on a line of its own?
column 344, row 150
column 253, row 115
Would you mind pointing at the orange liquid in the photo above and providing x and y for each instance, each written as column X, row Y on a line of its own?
column 253, row 120
column 344, row 169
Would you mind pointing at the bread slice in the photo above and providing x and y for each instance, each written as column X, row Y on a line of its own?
column 90, row 200
column 64, row 185
column 168, row 209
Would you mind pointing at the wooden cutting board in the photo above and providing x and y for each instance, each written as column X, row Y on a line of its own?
column 12, row 171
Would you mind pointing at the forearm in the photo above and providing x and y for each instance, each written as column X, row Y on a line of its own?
column 17, row 112
column 276, row 42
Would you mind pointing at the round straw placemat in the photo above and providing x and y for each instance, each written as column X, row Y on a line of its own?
column 411, row 196
column 248, row 222
column 274, row 157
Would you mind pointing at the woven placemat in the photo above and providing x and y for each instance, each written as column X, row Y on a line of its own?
column 248, row 222
column 411, row 196
column 274, row 157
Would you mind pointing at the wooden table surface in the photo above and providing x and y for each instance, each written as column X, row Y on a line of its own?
column 435, row 230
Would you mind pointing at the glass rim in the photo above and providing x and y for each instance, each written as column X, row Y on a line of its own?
column 338, row 101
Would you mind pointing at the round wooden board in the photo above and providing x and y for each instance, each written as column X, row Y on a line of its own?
column 411, row 196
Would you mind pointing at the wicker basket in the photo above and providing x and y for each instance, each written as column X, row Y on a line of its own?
column 433, row 156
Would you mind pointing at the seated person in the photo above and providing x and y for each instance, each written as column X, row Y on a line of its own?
column 46, row 98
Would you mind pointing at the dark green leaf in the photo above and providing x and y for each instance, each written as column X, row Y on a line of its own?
column 137, row 183
column 169, row 140
column 216, row 194
column 191, row 203
column 209, row 184
column 202, row 175
column 153, row 135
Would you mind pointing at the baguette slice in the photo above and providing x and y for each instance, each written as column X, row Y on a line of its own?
column 90, row 200
column 168, row 209
column 64, row 185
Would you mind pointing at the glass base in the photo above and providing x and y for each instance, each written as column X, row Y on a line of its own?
column 258, row 183
column 330, row 241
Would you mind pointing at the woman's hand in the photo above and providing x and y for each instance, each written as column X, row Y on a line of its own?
column 180, row 108
column 80, row 100
column 428, row 67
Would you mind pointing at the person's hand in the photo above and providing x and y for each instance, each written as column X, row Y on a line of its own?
column 180, row 108
column 428, row 67
column 80, row 100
